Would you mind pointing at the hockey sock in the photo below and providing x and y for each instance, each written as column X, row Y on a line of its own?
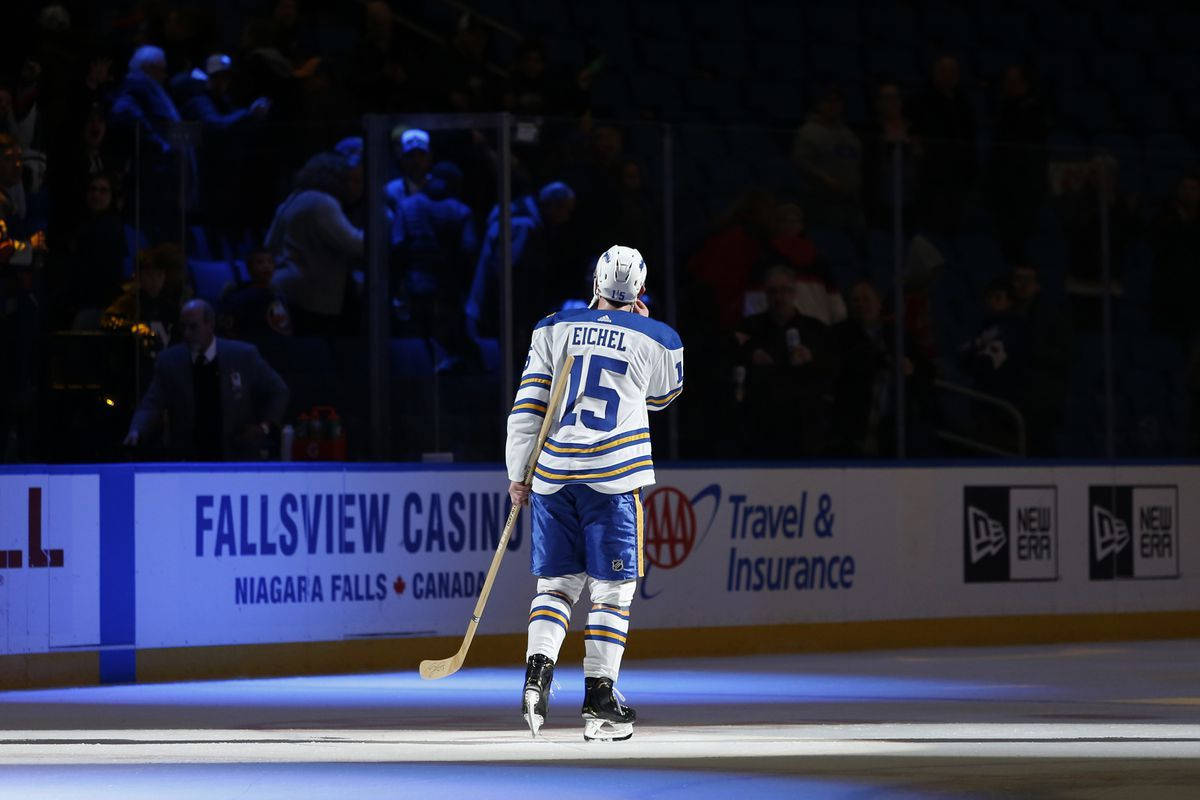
column 607, row 628
column 550, row 614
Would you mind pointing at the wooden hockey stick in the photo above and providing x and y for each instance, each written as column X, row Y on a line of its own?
column 432, row 669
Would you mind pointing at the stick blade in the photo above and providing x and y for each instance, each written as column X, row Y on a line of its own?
column 432, row 669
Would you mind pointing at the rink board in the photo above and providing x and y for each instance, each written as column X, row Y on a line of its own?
column 123, row 571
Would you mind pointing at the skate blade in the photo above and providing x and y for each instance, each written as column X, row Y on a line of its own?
column 532, row 719
column 601, row 730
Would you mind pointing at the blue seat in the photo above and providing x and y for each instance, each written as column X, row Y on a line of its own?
column 135, row 242
column 410, row 356
column 209, row 278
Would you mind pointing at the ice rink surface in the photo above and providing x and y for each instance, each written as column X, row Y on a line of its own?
column 1071, row 721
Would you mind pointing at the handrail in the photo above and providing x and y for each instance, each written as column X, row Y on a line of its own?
column 987, row 399
column 442, row 41
column 491, row 22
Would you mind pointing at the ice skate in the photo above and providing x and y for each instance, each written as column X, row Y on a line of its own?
column 605, row 718
column 535, row 699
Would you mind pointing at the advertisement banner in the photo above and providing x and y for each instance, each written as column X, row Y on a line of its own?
column 232, row 558
column 49, row 563
column 194, row 556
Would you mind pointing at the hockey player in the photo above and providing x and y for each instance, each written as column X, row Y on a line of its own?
column 586, row 502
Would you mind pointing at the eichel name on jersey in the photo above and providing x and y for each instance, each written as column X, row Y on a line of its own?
column 625, row 364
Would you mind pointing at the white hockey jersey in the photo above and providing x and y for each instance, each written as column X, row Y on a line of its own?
column 625, row 364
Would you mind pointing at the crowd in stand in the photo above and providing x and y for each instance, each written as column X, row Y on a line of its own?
column 137, row 148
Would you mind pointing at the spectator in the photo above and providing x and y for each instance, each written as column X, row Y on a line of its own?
column 1017, row 179
column 1044, row 383
column 890, row 127
column 789, row 366
column 434, row 247
column 534, row 90
column 1080, row 191
column 816, row 295
column 411, row 147
column 256, row 311
column 96, row 252
column 25, row 212
column 149, row 118
column 998, row 358
column 1176, row 280
column 316, row 244
column 722, row 266
column 633, row 214
column 829, row 155
column 204, row 97
column 944, row 121
column 150, row 302
column 535, row 293
column 380, row 68
column 228, row 134
column 460, row 79
column 219, row 397
column 864, row 416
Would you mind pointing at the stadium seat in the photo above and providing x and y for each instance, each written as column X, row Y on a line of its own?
column 209, row 278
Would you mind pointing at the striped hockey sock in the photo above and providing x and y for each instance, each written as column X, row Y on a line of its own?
column 604, row 640
column 549, row 616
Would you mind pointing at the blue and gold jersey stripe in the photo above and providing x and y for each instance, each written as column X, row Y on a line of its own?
column 581, row 450
column 549, row 614
column 529, row 405
column 535, row 380
column 663, row 400
column 603, row 633
column 596, row 474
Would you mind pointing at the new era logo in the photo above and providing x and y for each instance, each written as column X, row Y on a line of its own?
column 987, row 537
column 1010, row 533
column 1110, row 534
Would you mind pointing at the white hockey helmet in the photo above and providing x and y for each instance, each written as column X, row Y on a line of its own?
column 620, row 274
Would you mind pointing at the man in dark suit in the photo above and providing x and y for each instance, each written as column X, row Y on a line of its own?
column 219, row 397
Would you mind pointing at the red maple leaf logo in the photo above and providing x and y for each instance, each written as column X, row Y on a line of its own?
column 399, row 585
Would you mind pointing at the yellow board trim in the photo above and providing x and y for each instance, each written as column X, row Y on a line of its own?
column 600, row 447
column 379, row 655
column 588, row 476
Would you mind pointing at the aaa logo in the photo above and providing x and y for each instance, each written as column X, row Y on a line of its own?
column 672, row 530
